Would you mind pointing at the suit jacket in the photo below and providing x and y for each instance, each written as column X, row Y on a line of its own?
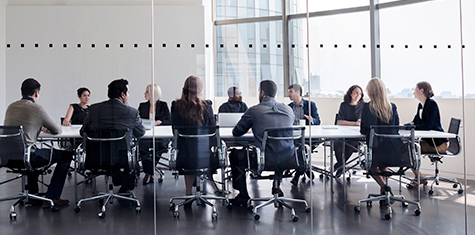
column 113, row 114
column 430, row 120
column 162, row 112
column 368, row 119
column 313, row 106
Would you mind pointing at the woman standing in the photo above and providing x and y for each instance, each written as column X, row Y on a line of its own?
column 157, row 110
column 191, row 110
column 77, row 112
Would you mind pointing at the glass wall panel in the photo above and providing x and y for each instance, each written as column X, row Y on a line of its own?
column 233, row 9
column 298, row 6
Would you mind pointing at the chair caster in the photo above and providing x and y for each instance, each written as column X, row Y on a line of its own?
column 100, row 201
column 354, row 172
column 250, row 207
column 229, row 206
column 348, row 179
column 13, row 216
column 257, row 216
column 176, row 214
column 295, row 218
column 77, row 209
column 308, row 209
column 102, row 215
column 54, row 208
column 387, row 216
column 367, row 176
column 455, row 185
column 357, row 209
column 171, row 206
column 431, row 192
column 214, row 215
column 417, row 212
column 138, row 209
column 460, row 191
column 405, row 204
column 369, row 203
column 321, row 176
column 160, row 180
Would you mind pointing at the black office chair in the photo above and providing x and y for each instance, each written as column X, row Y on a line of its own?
column 102, row 153
column 199, row 151
column 452, row 151
column 387, row 148
column 271, row 159
column 15, row 155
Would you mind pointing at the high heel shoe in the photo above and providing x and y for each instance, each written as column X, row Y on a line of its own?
column 147, row 179
column 414, row 184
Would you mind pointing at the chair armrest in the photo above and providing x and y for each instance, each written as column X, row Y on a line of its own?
column 172, row 154
column 27, row 157
column 223, row 154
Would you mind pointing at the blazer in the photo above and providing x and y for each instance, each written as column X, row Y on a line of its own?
column 113, row 114
column 162, row 112
column 315, row 117
column 368, row 119
column 430, row 120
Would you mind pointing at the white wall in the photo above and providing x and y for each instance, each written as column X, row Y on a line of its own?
column 62, row 70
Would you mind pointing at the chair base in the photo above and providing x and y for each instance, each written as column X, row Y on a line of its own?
column 278, row 202
column 437, row 178
column 24, row 197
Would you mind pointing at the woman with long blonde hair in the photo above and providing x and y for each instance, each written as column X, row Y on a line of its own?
column 379, row 111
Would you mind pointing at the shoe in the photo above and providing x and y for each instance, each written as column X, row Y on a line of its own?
column 147, row 179
column 310, row 174
column 414, row 184
column 239, row 200
column 187, row 204
column 295, row 180
column 338, row 173
column 277, row 191
column 123, row 190
column 57, row 202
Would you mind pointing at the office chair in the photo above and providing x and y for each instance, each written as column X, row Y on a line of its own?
column 271, row 159
column 15, row 154
column 103, row 152
column 199, row 151
column 452, row 150
column 387, row 148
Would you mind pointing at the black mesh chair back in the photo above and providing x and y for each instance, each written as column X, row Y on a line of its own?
column 13, row 146
column 195, row 147
column 454, row 143
column 278, row 147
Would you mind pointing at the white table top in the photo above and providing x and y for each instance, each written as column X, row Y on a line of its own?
column 318, row 132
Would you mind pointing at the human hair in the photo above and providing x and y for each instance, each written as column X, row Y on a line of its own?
column 155, row 90
column 82, row 90
column 379, row 105
column 347, row 97
column 428, row 93
column 296, row 87
column 29, row 87
column 191, row 106
column 117, row 87
column 232, row 90
column 269, row 87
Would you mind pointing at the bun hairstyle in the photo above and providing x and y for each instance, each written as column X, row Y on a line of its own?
column 82, row 90
column 428, row 93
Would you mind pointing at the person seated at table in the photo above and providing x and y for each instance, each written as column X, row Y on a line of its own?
column 191, row 110
column 427, row 118
column 161, row 116
column 234, row 104
column 34, row 119
column 349, row 114
column 116, row 114
column 267, row 114
column 300, row 107
column 379, row 111
column 77, row 112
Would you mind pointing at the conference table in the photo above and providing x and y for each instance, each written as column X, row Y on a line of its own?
column 315, row 134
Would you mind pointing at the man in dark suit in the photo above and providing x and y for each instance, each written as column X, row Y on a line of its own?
column 116, row 114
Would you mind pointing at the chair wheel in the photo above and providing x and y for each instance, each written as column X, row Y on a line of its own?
column 348, row 179
column 171, row 206
column 160, row 180
column 100, row 201
column 404, row 204
column 138, row 209
column 431, row 192
column 455, row 185
column 308, row 209
column 54, row 208
column 369, row 203
column 321, row 176
column 77, row 209
column 257, row 216
column 214, row 215
column 295, row 218
column 460, row 191
column 176, row 214
column 417, row 212
column 387, row 216
column 357, row 209
column 367, row 176
column 101, row 215
column 13, row 216
column 250, row 207
column 354, row 172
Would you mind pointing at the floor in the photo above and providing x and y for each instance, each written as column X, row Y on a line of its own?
column 332, row 213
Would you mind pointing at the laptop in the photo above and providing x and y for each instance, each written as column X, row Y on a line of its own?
column 228, row 119
column 148, row 124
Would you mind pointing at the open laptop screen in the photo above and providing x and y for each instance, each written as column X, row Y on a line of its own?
column 229, row 119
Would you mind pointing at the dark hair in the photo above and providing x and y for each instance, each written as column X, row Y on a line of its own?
column 190, row 106
column 296, row 87
column 29, row 87
column 232, row 90
column 117, row 87
column 269, row 87
column 82, row 90
column 347, row 97
column 427, row 89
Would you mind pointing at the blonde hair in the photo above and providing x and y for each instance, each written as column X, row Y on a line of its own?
column 379, row 105
column 157, row 92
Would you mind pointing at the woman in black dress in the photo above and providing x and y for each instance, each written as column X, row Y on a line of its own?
column 77, row 112
column 159, row 112
column 192, row 110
